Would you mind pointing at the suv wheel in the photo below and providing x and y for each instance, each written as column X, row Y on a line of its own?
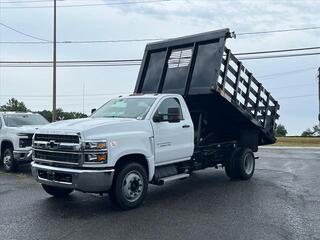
column 57, row 191
column 9, row 163
column 129, row 187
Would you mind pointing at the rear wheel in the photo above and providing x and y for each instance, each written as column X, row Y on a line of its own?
column 241, row 164
column 246, row 164
column 230, row 166
column 129, row 187
column 9, row 163
column 57, row 191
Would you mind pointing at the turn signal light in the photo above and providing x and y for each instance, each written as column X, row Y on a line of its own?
column 101, row 157
column 102, row 145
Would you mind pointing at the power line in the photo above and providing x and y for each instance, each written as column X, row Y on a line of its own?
column 66, row 95
column 279, row 31
column 278, row 51
column 125, row 93
column 298, row 96
column 89, row 5
column 23, row 33
column 38, row 1
column 78, row 61
column 291, row 86
column 82, row 65
column 45, row 41
column 119, row 62
column 279, row 74
column 280, row 56
column 90, row 63
column 87, row 41
column 27, row 1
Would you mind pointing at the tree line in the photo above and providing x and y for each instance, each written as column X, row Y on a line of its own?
column 18, row 106
column 281, row 131
column 15, row 105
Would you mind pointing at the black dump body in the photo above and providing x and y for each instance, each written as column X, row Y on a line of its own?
column 226, row 102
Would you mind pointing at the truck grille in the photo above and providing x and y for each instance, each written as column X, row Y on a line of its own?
column 57, row 148
column 57, row 156
column 57, row 138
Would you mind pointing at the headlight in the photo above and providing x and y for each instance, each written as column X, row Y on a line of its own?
column 25, row 140
column 97, row 151
column 99, row 145
column 25, row 143
column 96, row 157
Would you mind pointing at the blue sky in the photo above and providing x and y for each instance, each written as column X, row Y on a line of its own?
column 157, row 20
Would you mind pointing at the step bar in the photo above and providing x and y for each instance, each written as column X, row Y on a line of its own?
column 162, row 181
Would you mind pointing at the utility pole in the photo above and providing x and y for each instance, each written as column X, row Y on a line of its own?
column 319, row 92
column 54, row 93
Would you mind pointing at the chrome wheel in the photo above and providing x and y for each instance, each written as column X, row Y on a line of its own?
column 248, row 164
column 132, row 186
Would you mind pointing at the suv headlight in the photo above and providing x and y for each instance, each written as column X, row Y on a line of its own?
column 96, row 151
column 25, row 140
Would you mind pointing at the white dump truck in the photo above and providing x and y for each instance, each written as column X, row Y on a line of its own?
column 194, row 106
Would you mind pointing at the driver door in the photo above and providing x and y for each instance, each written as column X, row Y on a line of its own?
column 173, row 135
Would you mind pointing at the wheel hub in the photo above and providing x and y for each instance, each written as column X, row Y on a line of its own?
column 7, row 160
column 132, row 186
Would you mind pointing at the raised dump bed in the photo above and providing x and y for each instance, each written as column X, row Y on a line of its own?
column 226, row 102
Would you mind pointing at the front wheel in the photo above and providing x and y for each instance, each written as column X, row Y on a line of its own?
column 57, row 191
column 9, row 163
column 129, row 187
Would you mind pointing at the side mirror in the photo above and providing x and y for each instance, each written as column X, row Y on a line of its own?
column 158, row 118
column 93, row 110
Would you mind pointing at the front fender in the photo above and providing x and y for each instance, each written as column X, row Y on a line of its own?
column 150, row 160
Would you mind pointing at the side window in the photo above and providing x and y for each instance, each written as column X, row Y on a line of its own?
column 170, row 110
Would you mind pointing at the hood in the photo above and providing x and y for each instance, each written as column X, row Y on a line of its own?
column 26, row 129
column 83, row 124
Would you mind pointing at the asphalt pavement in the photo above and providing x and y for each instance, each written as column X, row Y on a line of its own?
column 281, row 201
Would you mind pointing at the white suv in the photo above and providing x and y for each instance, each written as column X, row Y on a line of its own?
column 16, row 132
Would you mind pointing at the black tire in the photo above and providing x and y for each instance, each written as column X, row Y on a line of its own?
column 129, row 187
column 230, row 165
column 245, row 164
column 9, row 163
column 236, row 166
column 57, row 191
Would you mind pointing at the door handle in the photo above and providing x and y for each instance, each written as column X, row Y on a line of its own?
column 185, row 126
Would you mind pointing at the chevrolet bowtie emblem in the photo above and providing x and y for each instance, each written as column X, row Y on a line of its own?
column 53, row 145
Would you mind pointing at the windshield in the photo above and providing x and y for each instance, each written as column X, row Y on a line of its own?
column 18, row 120
column 125, row 108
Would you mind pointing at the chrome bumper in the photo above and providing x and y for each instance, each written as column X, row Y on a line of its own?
column 22, row 155
column 77, row 179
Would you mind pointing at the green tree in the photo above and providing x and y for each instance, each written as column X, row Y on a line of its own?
column 14, row 105
column 46, row 114
column 281, row 131
column 315, row 131
column 61, row 115
column 307, row 133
